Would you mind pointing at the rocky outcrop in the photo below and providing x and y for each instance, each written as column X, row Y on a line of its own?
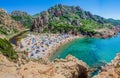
column 71, row 67
column 111, row 70
column 8, row 25
column 62, row 15
column 106, row 32
column 64, row 19
column 7, row 68
column 38, row 25
column 70, row 13
column 63, row 68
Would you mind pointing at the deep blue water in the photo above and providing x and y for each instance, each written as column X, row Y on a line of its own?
column 94, row 51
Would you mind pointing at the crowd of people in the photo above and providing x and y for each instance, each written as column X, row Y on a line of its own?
column 37, row 46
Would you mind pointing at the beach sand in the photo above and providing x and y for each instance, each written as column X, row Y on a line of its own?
column 51, row 50
column 26, row 43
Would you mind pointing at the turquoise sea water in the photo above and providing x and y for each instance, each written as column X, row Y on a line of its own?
column 94, row 51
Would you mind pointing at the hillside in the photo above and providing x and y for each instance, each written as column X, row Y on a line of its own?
column 22, row 17
column 8, row 26
column 114, row 22
column 66, row 19
column 59, row 18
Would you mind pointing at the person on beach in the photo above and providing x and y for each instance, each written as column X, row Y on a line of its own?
column 40, row 46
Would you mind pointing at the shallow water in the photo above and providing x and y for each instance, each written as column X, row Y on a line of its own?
column 94, row 51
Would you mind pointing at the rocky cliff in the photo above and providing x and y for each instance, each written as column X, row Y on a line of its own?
column 8, row 25
column 63, row 68
column 111, row 70
column 71, row 19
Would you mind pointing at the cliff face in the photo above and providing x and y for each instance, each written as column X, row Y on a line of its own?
column 71, row 19
column 111, row 70
column 64, row 18
column 8, row 25
column 70, row 14
column 63, row 68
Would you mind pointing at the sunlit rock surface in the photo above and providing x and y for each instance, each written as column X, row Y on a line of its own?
column 111, row 70
column 63, row 68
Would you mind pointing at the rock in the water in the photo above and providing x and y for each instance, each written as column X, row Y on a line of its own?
column 111, row 70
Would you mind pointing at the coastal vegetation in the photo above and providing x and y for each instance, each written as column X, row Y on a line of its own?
column 114, row 22
column 57, row 26
column 7, row 49
column 8, row 26
column 63, row 19
column 70, row 19
column 22, row 17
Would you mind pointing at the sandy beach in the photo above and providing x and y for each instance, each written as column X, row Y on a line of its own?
column 52, row 49
column 43, row 46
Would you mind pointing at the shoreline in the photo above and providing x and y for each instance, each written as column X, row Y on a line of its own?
column 52, row 50
column 111, row 69
column 41, row 48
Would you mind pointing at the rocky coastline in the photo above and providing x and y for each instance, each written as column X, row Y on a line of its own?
column 107, row 33
column 71, row 74
column 111, row 70
column 60, row 68
column 70, row 67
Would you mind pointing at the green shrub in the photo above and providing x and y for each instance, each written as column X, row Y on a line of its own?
column 60, row 26
column 2, row 31
column 7, row 49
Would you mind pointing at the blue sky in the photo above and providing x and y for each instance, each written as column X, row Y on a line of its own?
column 104, row 8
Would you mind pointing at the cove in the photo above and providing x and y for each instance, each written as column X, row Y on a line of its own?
column 94, row 51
